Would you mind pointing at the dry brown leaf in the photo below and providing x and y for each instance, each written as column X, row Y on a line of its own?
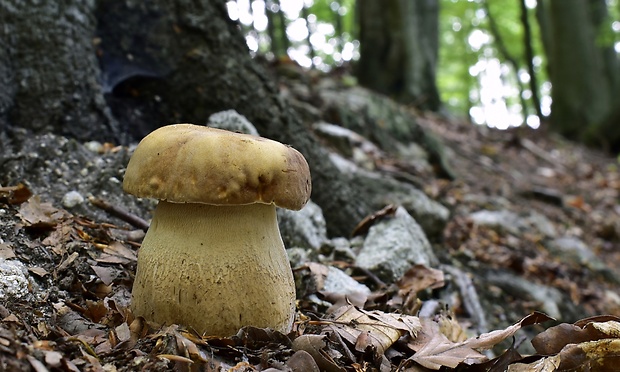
column 451, row 328
column 316, row 345
column 418, row 278
column 106, row 274
column 38, row 271
column 434, row 350
column 556, row 338
column 40, row 215
column 112, row 259
column 364, row 225
column 121, row 251
column 590, row 356
column 374, row 328
column 549, row 364
column 6, row 251
column 15, row 194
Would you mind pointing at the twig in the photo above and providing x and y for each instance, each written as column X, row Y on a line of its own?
column 120, row 213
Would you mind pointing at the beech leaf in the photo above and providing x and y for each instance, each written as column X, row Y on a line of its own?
column 434, row 350
column 376, row 328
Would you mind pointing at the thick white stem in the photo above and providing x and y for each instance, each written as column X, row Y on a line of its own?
column 214, row 268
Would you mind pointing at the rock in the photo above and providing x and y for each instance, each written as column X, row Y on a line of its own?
column 431, row 215
column 341, row 249
column 71, row 199
column 13, row 281
column 575, row 252
column 383, row 122
column 506, row 220
column 393, row 245
column 551, row 301
column 233, row 121
column 499, row 220
column 297, row 256
column 349, row 144
column 338, row 282
column 305, row 228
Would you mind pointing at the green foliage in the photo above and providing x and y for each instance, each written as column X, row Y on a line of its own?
column 459, row 19
column 456, row 22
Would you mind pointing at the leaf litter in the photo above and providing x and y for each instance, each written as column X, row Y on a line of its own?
column 93, row 328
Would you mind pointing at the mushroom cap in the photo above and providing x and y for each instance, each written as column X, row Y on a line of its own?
column 186, row 163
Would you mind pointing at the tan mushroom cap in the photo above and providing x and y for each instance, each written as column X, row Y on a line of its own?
column 186, row 163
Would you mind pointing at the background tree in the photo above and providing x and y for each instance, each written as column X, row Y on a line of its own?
column 579, row 71
column 399, row 48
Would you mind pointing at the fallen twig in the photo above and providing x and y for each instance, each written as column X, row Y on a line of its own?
column 120, row 213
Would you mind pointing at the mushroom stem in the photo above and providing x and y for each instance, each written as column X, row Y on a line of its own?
column 230, row 262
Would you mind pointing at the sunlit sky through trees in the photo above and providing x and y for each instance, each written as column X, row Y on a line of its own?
column 472, row 77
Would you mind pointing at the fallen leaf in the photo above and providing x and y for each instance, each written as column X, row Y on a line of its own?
column 120, row 250
column 315, row 345
column 556, row 338
column 106, row 274
column 433, row 349
column 418, row 278
column 35, row 214
column 374, row 328
column 6, row 251
column 38, row 271
column 15, row 194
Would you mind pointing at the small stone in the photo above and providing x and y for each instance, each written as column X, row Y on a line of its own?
column 13, row 280
column 71, row 199
column 94, row 146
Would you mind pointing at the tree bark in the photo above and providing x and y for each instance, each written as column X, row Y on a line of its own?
column 49, row 71
column 581, row 89
column 529, row 59
column 398, row 49
column 155, row 62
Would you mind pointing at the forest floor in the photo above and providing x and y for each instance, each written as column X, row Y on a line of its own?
column 80, row 317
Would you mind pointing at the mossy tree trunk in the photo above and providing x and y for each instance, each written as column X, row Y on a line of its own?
column 399, row 44
column 582, row 69
column 110, row 70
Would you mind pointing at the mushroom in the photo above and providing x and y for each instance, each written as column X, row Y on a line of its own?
column 213, row 258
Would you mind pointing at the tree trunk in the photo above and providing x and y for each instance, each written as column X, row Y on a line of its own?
column 159, row 62
column 398, row 49
column 581, row 87
column 529, row 59
column 49, row 71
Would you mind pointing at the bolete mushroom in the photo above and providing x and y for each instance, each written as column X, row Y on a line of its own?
column 213, row 258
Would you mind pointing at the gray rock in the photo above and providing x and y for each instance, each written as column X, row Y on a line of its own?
column 393, row 245
column 384, row 122
column 13, row 281
column 305, row 228
column 349, row 144
column 431, row 215
column 71, row 199
column 233, row 121
column 337, row 281
column 499, row 220
column 297, row 256
column 339, row 249
column 551, row 300
column 506, row 220
column 575, row 252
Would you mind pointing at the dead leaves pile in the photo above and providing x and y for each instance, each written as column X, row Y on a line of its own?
column 95, row 329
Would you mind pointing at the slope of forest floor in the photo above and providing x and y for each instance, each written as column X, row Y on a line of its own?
column 82, row 320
